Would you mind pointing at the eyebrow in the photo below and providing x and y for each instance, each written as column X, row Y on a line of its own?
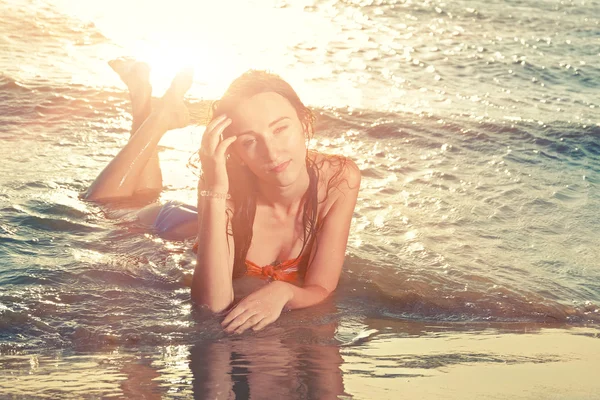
column 270, row 125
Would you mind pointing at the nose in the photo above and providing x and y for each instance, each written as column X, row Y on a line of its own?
column 269, row 150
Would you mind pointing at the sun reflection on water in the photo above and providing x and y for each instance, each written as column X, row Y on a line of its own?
column 217, row 43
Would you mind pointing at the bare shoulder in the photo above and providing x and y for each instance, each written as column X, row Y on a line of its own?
column 339, row 181
column 337, row 172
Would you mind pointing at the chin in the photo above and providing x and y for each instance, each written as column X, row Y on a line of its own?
column 292, row 175
column 285, row 178
column 280, row 181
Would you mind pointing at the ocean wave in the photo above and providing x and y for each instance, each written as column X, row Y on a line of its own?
column 388, row 292
column 477, row 202
column 46, row 22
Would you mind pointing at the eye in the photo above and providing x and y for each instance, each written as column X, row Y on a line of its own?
column 281, row 129
column 248, row 142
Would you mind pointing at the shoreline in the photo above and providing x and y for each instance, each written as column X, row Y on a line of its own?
column 546, row 364
column 491, row 363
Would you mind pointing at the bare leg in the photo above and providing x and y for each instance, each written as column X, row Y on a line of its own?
column 136, row 75
column 120, row 177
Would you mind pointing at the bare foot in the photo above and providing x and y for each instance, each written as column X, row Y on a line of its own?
column 173, row 107
column 136, row 75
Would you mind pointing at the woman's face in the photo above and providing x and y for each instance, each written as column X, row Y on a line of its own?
column 271, row 139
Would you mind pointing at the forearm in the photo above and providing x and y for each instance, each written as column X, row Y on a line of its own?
column 306, row 296
column 120, row 177
column 212, row 283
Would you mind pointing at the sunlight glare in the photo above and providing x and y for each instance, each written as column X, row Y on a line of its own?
column 218, row 43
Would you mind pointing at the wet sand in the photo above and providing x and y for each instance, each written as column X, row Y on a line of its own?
column 548, row 364
column 491, row 363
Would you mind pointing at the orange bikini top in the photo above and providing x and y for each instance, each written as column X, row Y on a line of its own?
column 286, row 271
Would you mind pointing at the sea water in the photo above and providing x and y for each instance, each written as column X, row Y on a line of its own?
column 476, row 126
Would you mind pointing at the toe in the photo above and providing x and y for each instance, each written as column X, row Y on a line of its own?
column 131, row 71
column 181, row 83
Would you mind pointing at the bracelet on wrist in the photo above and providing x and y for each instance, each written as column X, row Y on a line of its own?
column 214, row 195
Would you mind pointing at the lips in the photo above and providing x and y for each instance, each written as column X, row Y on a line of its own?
column 280, row 168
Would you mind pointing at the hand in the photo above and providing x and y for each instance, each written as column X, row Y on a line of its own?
column 213, row 154
column 258, row 309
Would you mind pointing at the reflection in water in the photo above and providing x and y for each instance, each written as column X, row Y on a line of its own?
column 299, row 357
column 265, row 368
column 269, row 366
column 141, row 380
column 302, row 358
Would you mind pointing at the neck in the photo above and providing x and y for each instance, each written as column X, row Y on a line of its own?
column 285, row 197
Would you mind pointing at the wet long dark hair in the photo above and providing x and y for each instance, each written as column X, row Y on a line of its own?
column 243, row 185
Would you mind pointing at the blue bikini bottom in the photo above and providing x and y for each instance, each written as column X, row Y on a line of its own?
column 173, row 214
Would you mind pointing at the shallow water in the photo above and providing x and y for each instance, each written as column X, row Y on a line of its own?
column 475, row 127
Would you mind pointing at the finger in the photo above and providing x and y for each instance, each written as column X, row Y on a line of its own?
column 261, row 324
column 233, row 314
column 238, row 321
column 250, row 322
column 215, row 122
column 212, row 136
column 211, row 125
column 213, row 133
column 224, row 145
column 237, row 312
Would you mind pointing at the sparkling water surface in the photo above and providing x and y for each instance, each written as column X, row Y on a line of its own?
column 476, row 127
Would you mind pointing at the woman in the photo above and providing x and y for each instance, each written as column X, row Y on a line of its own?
column 274, row 217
